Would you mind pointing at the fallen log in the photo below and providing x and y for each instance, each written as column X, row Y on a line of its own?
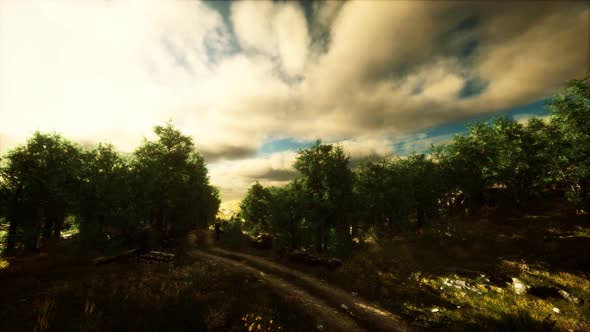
column 302, row 257
column 156, row 257
column 120, row 256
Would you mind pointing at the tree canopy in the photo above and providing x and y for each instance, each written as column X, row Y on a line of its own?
column 500, row 162
column 163, row 185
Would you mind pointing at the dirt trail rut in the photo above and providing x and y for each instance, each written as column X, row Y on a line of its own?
column 367, row 314
column 329, row 318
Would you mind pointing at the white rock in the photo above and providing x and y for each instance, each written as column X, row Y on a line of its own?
column 344, row 306
column 519, row 286
column 435, row 310
column 460, row 283
column 555, row 310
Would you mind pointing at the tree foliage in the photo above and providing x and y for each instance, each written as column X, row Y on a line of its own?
column 570, row 113
column 500, row 162
column 163, row 185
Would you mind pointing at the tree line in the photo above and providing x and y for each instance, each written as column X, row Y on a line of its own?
column 162, row 186
column 500, row 162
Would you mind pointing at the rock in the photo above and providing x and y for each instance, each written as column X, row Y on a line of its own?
column 320, row 327
column 344, row 306
column 302, row 257
column 263, row 241
column 555, row 310
column 568, row 297
column 460, row 283
column 354, row 294
column 518, row 286
column 333, row 263
column 435, row 310
column 498, row 280
column 544, row 292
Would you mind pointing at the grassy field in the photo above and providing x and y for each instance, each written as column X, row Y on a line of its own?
column 458, row 274
column 69, row 294
column 505, row 271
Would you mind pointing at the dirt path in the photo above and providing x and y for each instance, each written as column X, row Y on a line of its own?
column 367, row 314
column 328, row 318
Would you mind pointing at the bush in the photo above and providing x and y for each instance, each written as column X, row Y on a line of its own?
column 232, row 234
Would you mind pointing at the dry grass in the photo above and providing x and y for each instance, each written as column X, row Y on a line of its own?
column 546, row 247
column 196, row 296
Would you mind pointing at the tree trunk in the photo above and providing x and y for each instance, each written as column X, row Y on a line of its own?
column 380, row 226
column 319, row 243
column 390, row 224
column 47, row 227
column 58, row 225
column 420, row 215
column 475, row 203
column 11, row 239
column 32, row 233
column 354, row 229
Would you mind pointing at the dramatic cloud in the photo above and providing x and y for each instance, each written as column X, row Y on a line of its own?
column 276, row 29
column 235, row 177
column 372, row 75
column 361, row 149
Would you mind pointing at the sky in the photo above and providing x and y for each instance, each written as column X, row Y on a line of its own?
column 253, row 81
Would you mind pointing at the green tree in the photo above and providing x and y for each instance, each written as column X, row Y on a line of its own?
column 106, row 198
column 426, row 187
column 570, row 112
column 288, row 214
column 467, row 162
column 327, row 183
column 383, row 196
column 256, row 208
column 42, row 180
column 172, row 184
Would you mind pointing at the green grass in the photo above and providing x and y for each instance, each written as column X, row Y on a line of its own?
column 407, row 274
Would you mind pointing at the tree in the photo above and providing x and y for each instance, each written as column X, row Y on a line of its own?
column 256, row 208
column 570, row 112
column 288, row 213
column 41, row 184
column 106, row 200
column 173, row 184
column 327, row 183
column 425, row 188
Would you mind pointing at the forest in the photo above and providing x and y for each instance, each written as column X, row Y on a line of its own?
column 500, row 163
column 52, row 181
column 386, row 221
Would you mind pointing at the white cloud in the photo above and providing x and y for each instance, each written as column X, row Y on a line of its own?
column 361, row 148
column 292, row 37
column 276, row 29
column 110, row 70
column 252, row 22
column 420, row 142
column 525, row 117
column 235, row 177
